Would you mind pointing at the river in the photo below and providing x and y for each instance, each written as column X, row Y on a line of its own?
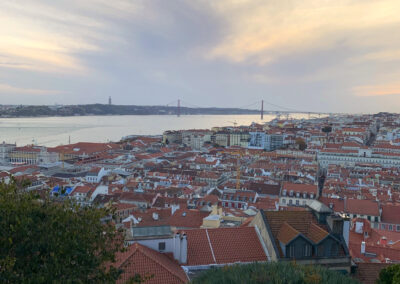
column 54, row 131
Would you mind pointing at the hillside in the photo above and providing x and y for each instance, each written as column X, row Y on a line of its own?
column 102, row 109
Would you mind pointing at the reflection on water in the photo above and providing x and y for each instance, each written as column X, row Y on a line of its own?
column 53, row 131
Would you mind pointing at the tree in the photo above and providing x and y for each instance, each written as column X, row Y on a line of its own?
column 327, row 129
column 273, row 272
column 301, row 144
column 389, row 275
column 42, row 241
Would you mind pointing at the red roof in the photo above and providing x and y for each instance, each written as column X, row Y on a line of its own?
column 391, row 213
column 187, row 218
column 84, row 147
column 308, row 188
column 362, row 207
column 146, row 262
column 82, row 189
column 223, row 246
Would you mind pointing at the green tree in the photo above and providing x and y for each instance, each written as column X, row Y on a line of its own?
column 42, row 241
column 327, row 129
column 273, row 272
column 389, row 275
column 301, row 144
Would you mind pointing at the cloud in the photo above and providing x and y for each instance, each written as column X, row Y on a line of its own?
column 50, row 38
column 377, row 90
column 264, row 31
column 309, row 54
column 7, row 89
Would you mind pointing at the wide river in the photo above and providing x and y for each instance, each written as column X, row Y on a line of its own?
column 54, row 131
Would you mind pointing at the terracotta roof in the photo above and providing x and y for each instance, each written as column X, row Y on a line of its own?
column 287, row 233
column 145, row 261
column 261, row 188
column 309, row 188
column 224, row 245
column 362, row 207
column 302, row 221
column 187, row 218
column 337, row 204
column 391, row 213
column 82, row 189
column 316, row 233
column 84, row 147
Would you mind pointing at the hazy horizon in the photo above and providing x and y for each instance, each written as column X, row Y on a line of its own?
column 312, row 55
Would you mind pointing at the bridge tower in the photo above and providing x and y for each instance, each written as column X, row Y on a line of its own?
column 262, row 109
column 178, row 111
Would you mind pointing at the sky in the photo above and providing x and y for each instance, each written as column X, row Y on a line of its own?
column 308, row 55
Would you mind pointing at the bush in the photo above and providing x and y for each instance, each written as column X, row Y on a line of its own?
column 273, row 272
column 389, row 275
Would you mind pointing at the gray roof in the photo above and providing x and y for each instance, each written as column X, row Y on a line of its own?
column 155, row 231
column 319, row 207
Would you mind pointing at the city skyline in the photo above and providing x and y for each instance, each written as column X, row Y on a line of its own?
column 329, row 56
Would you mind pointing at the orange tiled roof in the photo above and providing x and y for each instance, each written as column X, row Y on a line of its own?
column 316, row 233
column 224, row 245
column 362, row 206
column 302, row 221
column 145, row 261
column 309, row 188
column 287, row 233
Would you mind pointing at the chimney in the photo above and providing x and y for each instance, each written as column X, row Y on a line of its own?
column 346, row 230
column 174, row 208
column 177, row 246
column 339, row 225
column 383, row 241
column 184, row 248
column 362, row 247
column 155, row 216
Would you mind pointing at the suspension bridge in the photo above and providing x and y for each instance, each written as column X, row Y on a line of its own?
column 255, row 107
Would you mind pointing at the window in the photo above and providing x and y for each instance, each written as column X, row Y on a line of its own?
column 307, row 250
column 376, row 219
column 398, row 228
column 383, row 227
column 321, row 250
column 290, row 201
column 161, row 246
column 297, row 202
column 334, row 249
column 284, row 201
column 390, row 228
column 291, row 251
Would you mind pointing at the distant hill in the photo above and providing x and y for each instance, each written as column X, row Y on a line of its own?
column 102, row 109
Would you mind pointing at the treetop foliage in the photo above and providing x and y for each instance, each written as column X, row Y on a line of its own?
column 42, row 241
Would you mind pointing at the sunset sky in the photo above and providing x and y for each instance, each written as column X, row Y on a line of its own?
column 311, row 55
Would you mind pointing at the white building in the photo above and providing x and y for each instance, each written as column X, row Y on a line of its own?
column 342, row 157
